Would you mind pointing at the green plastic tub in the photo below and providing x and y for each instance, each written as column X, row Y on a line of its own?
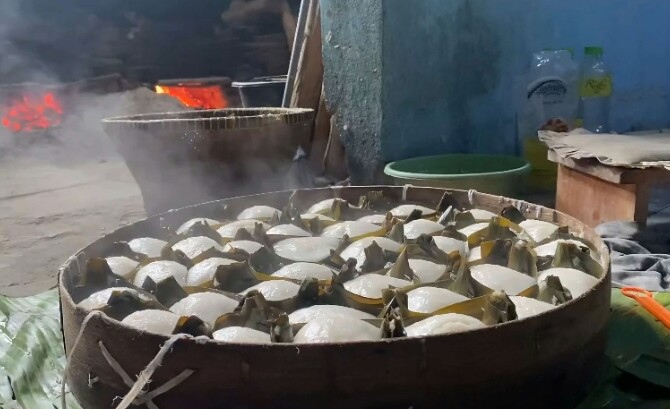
column 495, row 174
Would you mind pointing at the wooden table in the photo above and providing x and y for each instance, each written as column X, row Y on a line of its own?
column 595, row 193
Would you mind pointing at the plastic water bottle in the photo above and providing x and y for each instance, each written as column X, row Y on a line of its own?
column 595, row 91
column 548, row 102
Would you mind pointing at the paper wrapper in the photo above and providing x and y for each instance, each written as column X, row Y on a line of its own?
column 649, row 149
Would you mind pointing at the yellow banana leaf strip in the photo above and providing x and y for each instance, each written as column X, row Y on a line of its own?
column 463, row 283
column 336, row 294
column 374, row 200
column 121, row 248
column 235, row 277
column 167, row 291
column 570, row 255
column 523, row 258
column 498, row 228
column 123, row 303
column 97, row 276
column 397, row 231
column 446, row 201
column 392, row 325
column 401, row 268
column 375, row 259
column 253, row 312
column 553, row 291
column 513, row 214
column 191, row 325
column 281, row 330
column 498, row 309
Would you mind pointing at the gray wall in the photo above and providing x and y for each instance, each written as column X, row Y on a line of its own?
column 352, row 51
column 419, row 77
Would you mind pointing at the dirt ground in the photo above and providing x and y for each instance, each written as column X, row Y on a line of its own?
column 49, row 211
column 62, row 189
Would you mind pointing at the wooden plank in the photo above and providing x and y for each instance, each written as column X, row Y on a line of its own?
column 325, row 150
column 594, row 200
column 320, row 135
column 613, row 174
column 307, row 86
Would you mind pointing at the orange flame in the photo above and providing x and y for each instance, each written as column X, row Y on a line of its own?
column 201, row 96
column 31, row 113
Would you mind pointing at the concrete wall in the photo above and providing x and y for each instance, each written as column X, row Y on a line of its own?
column 352, row 44
column 445, row 79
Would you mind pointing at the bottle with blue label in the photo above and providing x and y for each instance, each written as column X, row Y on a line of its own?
column 595, row 91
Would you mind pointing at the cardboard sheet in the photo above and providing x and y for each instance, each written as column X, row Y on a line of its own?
column 635, row 150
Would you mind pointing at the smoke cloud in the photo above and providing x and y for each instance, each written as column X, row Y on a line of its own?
column 36, row 48
column 24, row 45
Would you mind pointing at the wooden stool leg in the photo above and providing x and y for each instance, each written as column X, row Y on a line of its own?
column 594, row 201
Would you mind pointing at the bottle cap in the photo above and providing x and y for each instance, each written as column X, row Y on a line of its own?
column 570, row 50
column 594, row 51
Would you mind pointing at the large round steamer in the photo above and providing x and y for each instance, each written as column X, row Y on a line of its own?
column 549, row 360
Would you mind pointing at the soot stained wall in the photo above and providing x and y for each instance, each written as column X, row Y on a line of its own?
column 46, row 40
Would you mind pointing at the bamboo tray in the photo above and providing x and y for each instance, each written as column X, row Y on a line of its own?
column 547, row 361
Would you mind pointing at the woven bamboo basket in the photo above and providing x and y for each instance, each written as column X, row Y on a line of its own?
column 548, row 361
column 184, row 158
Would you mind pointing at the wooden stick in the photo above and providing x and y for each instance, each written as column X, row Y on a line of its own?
column 307, row 86
column 320, row 134
column 325, row 150
column 335, row 159
column 298, row 43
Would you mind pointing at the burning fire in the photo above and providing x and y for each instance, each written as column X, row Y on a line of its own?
column 32, row 113
column 198, row 96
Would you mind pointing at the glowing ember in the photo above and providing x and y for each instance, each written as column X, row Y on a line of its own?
column 32, row 113
column 196, row 96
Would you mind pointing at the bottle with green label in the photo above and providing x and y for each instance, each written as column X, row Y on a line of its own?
column 595, row 91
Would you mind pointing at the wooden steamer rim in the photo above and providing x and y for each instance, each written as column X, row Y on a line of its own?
column 552, row 356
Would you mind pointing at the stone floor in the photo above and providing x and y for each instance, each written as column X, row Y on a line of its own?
column 62, row 188
column 49, row 211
